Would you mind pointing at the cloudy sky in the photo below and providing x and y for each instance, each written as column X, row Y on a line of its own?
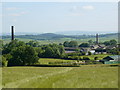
column 50, row 17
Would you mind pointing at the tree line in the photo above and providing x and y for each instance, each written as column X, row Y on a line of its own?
column 17, row 53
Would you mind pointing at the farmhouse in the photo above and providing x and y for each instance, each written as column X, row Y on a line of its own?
column 111, row 59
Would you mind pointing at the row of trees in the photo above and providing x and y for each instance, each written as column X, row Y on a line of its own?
column 111, row 42
column 20, row 53
column 90, row 42
column 75, row 44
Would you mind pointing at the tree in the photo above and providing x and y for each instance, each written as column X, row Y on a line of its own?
column 106, row 43
column 23, row 55
column 84, row 45
column 86, row 58
column 90, row 42
column 95, row 58
column 113, row 42
column 33, row 43
column 1, row 43
column 89, row 53
column 3, row 61
column 48, row 52
column 7, row 48
column 66, row 44
column 73, row 44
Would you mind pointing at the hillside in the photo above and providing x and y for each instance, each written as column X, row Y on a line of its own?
column 52, row 36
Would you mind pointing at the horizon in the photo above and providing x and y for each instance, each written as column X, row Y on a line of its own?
column 59, row 33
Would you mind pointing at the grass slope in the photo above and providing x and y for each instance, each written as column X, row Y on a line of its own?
column 60, row 77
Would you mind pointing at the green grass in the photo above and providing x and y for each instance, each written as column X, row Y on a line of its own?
column 60, row 77
column 100, row 56
column 47, row 60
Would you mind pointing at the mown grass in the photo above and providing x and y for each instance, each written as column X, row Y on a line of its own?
column 60, row 77
column 49, row 60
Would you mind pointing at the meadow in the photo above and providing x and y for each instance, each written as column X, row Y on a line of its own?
column 86, row 76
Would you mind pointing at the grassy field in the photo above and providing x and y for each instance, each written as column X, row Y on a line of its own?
column 49, row 60
column 100, row 56
column 61, row 40
column 60, row 77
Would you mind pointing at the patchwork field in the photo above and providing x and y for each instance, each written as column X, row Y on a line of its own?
column 60, row 77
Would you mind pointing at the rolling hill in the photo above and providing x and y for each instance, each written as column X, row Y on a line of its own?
column 52, row 36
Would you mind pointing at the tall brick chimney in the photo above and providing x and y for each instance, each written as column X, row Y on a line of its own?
column 12, row 32
column 97, row 39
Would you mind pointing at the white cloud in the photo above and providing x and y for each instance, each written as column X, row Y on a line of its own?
column 17, row 14
column 14, row 14
column 88, row 7
column 11, row 8
column 75, row 8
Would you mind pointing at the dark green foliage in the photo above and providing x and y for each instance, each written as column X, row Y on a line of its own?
column 106, row 43
column 86, row 58
column 96, row 58
column 7, row 56
column 114, row 51
column 51, row 51
column 33, row 43
column 3, row 61
column 89, row 53
column 100, row 50
column 66, row 44
column 7, row 48
column 70, row 44
column 111, row 42
column 1, row 43
column 73, row 44
column 23, row 55
column 90, row 42
column 84, row 45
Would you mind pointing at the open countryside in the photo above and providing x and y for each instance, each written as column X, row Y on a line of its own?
column 71, row 70
column 59, row 45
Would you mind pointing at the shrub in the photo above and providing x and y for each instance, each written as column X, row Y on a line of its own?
column 96, row 58
column 4, row 61
column 86, row 58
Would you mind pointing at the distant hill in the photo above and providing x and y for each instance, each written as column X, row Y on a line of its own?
column 52, row 36
column 75, row 32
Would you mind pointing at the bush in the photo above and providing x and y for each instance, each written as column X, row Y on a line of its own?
column 23, row 55
column 86, row 58
column 89, row 53
column 4, row 62
column 96, row 58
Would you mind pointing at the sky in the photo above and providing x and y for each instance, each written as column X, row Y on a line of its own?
column 50, row 17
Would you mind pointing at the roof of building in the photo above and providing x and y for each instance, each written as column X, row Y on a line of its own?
column 115, row 57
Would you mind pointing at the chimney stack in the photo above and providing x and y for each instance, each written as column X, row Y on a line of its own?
column 12, row 32
column 97, row 39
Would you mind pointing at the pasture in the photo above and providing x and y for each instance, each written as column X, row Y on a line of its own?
column 86, row 76
column 52, row 60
